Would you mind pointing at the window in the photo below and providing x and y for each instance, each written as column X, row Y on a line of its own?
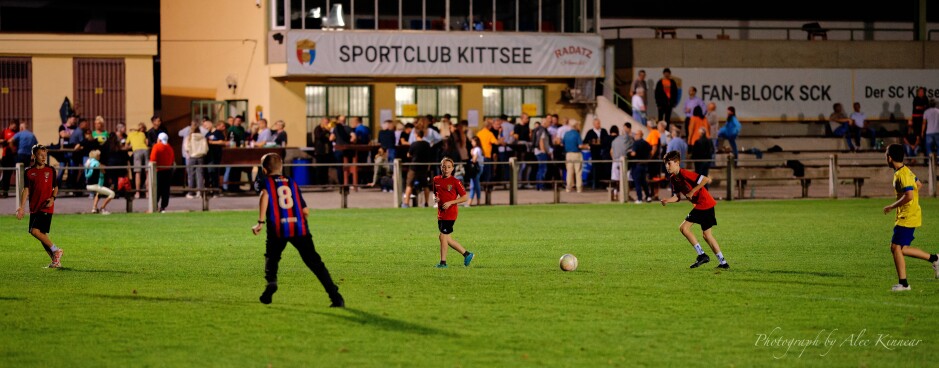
column 509, row 100
column 238, row 107
column 216, row 111
column 278, row 11
column 16, row 95
column 430, row 100
column 332, row 101
column 208, row 109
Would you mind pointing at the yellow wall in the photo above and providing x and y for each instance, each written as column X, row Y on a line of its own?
column 288, row 103
column 206, row 41
column 52, row 72
column 383, row 98
column 138, row 90
column 52, row 82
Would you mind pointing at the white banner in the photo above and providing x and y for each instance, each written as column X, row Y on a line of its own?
column 799, row 94
column 449, row 54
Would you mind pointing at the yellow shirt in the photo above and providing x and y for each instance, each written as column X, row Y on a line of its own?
column 138, row 140
column 909, row 214
column 486, row 140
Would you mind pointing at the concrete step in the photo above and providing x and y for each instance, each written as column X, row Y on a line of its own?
column 803, row 144
column 805, row 128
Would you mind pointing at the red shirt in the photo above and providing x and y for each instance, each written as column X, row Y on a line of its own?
column 41, row 183
column 163, row 155
column 684, row 182
column 446, row 190
column 7, row 146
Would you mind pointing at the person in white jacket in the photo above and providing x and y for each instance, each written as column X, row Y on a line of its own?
column 196, row 147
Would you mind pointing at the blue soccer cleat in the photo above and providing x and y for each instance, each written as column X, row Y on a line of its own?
column 468, row 259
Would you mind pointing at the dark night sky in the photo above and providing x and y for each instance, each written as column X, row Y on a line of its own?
column 142, row 16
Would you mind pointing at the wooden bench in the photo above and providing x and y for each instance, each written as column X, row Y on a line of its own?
column 805, row 183
column 128, row 195
column 487, row 188
column 658, row 180
column 343, row 191
column 205, row 194
column 555, row 184
column 612, row 189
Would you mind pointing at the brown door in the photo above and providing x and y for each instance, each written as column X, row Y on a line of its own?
column 16, row 90
column 99, row 90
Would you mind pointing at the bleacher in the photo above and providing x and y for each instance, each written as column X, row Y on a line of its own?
column 810, row 143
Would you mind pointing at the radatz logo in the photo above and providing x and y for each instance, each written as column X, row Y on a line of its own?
column 306, row 52
column 573, row 55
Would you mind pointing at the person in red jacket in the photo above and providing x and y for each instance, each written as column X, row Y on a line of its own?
column 164, row 157
column 41, row 189
column 692, row 186
column 449, row 193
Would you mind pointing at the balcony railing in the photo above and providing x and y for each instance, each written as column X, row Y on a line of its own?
column 566, row 16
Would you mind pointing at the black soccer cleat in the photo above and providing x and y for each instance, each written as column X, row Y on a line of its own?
column 268, row 294
column 723, row 266
column 338, row 303
column 702, row 259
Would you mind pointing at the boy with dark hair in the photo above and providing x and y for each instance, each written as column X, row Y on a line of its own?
column 285, row 212
column 909, row 217
column 41, row 189
column 692, row 186
column 449, row 193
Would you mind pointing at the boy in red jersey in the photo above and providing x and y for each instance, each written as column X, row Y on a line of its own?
column 283, row 209
column 41, row 189
column 692, row 185
column 449, row 193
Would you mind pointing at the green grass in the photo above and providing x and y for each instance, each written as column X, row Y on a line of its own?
column 181, row 290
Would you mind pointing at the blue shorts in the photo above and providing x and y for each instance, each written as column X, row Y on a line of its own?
column 902, row 235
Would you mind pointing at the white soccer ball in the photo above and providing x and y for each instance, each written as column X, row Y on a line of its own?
column 568, row 262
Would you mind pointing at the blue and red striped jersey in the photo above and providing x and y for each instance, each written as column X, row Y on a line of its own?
column 285, row 206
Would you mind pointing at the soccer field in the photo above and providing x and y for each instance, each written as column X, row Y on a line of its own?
column 181, row 289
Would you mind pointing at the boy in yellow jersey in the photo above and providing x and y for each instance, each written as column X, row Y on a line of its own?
column 909, row 216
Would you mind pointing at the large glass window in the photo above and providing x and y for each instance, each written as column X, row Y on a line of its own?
column 219, row 110
column 332, row 101
column 430, row 100
column 511, row 100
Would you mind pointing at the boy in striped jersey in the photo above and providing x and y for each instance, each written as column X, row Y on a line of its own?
column 284, row 211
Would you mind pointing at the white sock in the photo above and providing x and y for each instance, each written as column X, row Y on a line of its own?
column 54, row 248
column 720, row 257
column 697, row 248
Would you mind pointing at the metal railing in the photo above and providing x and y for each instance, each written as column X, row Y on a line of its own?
column 617, row 98
column 733, row 176
column 788, row 30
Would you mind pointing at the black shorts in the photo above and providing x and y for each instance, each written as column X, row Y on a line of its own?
column 40, row 221
column 417, row 178
column 705, row 218
column 445, row 226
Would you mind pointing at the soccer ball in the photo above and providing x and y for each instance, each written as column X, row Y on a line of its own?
column 568, row 262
